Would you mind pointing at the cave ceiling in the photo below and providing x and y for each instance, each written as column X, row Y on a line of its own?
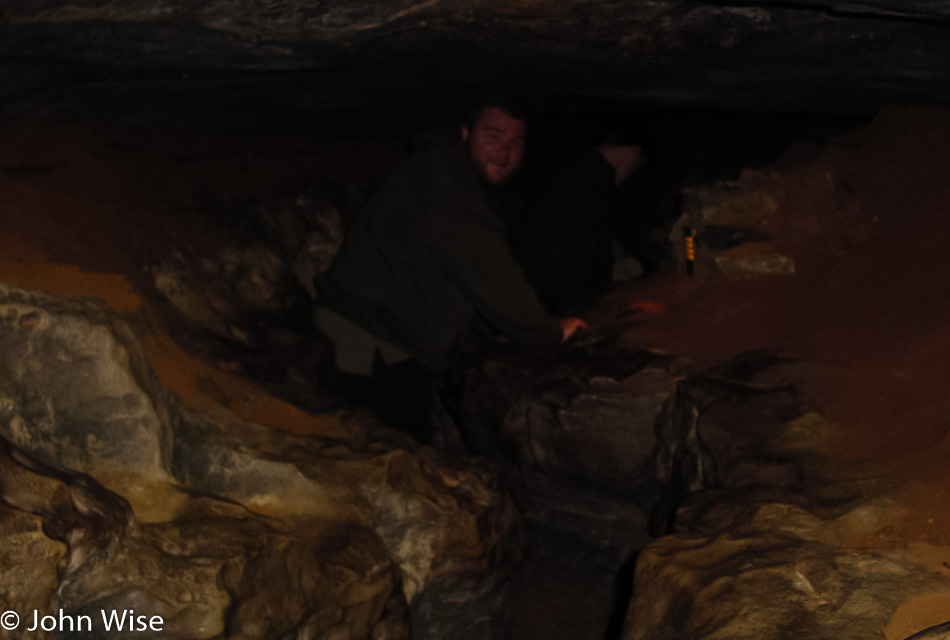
column 365, row 60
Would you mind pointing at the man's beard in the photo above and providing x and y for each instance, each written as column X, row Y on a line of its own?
column 482, row 172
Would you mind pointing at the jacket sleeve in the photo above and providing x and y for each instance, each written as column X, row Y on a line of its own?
column 467, row 239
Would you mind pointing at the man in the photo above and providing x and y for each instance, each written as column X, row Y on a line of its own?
column 567, row 240
column 423, row 265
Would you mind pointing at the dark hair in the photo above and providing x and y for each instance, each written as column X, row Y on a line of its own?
column 622, row 133
column 507, row 104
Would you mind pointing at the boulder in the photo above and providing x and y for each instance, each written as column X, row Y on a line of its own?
column 117, row 498
column 73, row 394
column 772, row 543
column 767, row 538
column 771, row 582
column 584, row 432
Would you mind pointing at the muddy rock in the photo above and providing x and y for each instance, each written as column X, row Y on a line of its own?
column 115, row 497
column 585, row 434
column 771, row 541
column 769, row 584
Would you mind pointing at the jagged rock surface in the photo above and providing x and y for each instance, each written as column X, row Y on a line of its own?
column 114, row 497
column 222, row 59
column 815, row 511
column 770, row 548
column 586, row 430
column 791, row 517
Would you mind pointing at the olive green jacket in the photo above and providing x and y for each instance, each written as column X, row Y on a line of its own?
column 426, row 261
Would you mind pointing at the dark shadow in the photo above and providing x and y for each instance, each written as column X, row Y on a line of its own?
column 623, row 594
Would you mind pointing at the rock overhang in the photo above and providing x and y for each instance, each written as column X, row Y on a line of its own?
column 359, row 62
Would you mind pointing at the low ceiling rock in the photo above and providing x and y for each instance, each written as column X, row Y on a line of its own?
column 221, row 58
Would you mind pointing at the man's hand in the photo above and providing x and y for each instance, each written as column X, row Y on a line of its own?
column 569, row 326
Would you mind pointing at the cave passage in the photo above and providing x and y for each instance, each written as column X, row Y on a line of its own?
column 795, row 379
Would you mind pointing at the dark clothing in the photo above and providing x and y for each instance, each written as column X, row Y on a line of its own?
column 400, row 394
column 426, row 260
column 566, row 240
column 512, row 209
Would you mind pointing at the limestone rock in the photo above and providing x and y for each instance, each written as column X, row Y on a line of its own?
column 586, row 433
column 773, row 221
column 319, row 61
column 247, row 304
column 28, row 565
column 766, row 540
column 605, row 439
column 223, row 293
column 321, row 241
column 278, row 245
column 203, row 573
column 73, row 389
column 114, row 497
column 769, row 547
column 592, row 415
column 425, row 512
column 768, row 584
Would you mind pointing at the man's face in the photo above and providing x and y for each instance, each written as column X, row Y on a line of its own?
column 631, row 159
column 495, row 145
